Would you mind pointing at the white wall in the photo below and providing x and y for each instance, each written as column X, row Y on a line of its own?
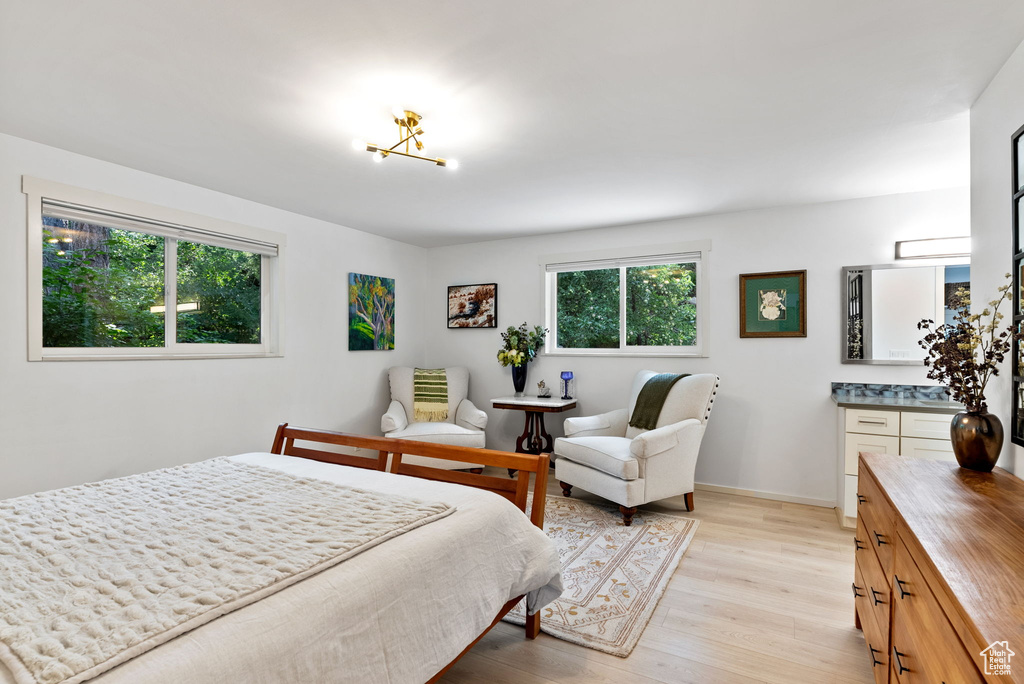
column 997, row 113
column 64, row 423
column 774, row 426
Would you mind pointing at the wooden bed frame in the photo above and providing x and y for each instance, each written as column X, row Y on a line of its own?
column 515, row 490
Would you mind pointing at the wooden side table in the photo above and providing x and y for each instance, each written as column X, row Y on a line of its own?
column 535, row 439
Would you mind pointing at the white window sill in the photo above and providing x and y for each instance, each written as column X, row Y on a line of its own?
column 154, row 357
column 633, row 354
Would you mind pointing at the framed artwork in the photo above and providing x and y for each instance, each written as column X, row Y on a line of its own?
column 371, row 312
column 773, row 304
column 473, row 306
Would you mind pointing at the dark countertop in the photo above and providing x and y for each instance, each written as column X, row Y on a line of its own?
column 863, row 401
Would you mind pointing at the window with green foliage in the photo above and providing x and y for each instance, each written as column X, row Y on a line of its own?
column 116, row 285
column 634, row 305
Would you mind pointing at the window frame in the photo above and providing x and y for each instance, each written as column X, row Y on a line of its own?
column 37, row 190
column 698, row 251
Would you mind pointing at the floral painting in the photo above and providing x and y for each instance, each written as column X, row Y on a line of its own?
column 371, row 312
column 773, row 304
column 473, row 306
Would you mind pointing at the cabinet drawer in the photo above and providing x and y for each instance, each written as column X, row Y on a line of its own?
column 930, row 449
column 875, row 584
column 875, row 640
column 925, row 425
column 877, row 516
column 925, row 647
column 873, row 422
column 874, row 444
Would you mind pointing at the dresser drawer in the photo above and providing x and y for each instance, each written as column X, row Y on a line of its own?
column 925, row 647
column 877, row 516
column 925, row 425
column 875, row 640
column 932, row 449
column 873, row 444
column 873, row 422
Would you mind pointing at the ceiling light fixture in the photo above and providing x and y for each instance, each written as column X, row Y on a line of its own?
column 408, row 133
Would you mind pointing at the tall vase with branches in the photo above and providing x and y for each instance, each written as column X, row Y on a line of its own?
column 964, row 356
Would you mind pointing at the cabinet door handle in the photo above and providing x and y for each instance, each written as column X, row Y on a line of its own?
column 874, row 596
column 878, row 538
column 899, row 585
column 874, row 661
column 861, row 498
column 899, row 663
column 858, row 544
column 864, row 421
column 856, row 589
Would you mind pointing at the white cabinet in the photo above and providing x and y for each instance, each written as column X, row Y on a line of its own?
column 908, row 433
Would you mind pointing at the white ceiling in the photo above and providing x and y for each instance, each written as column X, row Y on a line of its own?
column 563, row 115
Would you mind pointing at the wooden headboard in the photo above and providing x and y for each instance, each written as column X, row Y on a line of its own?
column 515, row 490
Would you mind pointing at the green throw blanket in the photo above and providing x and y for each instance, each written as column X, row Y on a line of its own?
column 430, row 395
column 651, row 399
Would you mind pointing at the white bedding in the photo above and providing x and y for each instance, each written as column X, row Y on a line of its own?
column 396, row 613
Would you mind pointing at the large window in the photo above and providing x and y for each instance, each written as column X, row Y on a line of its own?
column 644, row 304
column 111, row 278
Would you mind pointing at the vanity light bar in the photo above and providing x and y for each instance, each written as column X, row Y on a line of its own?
column 934, row 248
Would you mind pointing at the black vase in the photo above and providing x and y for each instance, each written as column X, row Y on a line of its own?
column 519, row 379
column 977, row 439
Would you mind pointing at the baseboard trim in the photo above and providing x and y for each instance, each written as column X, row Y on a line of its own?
column 821, row 503
column 845, row 521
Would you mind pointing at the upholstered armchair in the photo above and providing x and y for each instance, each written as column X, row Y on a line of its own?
column 464, row 426
column 603, row 454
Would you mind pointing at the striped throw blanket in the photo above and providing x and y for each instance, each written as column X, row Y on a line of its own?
column 430, row 395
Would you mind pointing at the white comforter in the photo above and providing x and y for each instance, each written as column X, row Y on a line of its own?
column 396, row 613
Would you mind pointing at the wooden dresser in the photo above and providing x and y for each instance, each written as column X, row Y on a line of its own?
column 939, row 575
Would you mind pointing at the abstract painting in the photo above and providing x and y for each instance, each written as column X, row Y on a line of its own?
column 473, row 306
column 371, row 312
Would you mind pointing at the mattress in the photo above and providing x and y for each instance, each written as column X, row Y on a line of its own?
column 396, row 613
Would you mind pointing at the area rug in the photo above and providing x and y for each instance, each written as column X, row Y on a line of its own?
column 613, row 575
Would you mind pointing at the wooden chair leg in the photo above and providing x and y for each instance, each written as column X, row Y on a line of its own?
column 627, row 515
column 688, row 498
column 533, row 625
column 566, row 488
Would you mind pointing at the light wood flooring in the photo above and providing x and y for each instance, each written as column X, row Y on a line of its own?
column 762, row 595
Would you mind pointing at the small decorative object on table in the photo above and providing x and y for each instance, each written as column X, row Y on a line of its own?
column 520, row 347
column 543, row 391
column 964, row 355
column 566, row 385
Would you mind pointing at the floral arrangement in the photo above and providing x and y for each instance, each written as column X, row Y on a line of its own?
column 964, row 355
column 520, row 345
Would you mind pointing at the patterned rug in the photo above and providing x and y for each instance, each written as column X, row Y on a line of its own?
column 613, row 575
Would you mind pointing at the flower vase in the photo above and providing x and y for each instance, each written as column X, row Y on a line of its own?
column 519, row 379
column 977, row 439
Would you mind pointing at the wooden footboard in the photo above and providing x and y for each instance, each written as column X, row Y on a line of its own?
column 515, row 490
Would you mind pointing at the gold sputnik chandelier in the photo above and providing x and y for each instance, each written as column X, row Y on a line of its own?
column 409, row 133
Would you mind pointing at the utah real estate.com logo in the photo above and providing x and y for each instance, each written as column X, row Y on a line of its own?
column 997, row 658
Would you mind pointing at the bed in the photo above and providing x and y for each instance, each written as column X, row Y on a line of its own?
column 402, row 611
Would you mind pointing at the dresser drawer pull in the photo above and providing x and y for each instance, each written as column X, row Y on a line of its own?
column 878, row 538
column 856, row 589
column 858, row 544
column 874, row 596
column 874, row 661
column 861, row 498
column 899, row 585
column 899, row 663
column 864, row 421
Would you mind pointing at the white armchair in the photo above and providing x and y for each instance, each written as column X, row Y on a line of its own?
column 464, row 426
column 631, row 466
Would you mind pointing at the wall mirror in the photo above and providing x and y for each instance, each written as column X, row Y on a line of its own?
column 883, row 305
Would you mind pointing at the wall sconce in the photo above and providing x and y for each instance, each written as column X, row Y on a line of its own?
column 566, row 385
column 934, row 248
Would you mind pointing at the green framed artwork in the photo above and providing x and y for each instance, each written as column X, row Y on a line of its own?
column 773, row 304
column 371, row 312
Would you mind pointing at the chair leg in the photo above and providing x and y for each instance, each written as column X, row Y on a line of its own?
column 688, row 498
column 566, row 488
column 627, row 515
